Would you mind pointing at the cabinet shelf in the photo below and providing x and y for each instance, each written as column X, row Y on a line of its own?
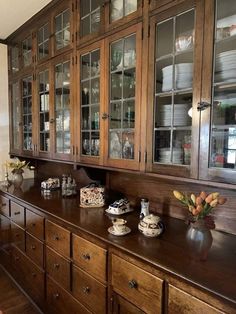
column 175, row 91
column 174, row 54
column 168, row 128
column 226, row 39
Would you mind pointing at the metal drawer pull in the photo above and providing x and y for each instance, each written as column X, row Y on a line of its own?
column 56, row 295
column 33, row 224
column 86, row 290
column 16, row 213
column 56, row 265
column 33, row 247
column 56, row 238
column 133, row 284
column 86, row 256
column 17, row 235
column 17, row 258
column 3, row 204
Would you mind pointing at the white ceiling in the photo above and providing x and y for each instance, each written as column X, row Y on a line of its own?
column 14, row 13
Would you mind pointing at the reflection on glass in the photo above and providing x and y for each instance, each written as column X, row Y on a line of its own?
column 27, row 113
column 223, row 128
column 14, row 59
column 43, row 41
column 122, row 96
column 121, row 8
column 15, row 100
column 43, row 96
column 27, row 51
column 90, row 103
column 90, row 16
column 62, row 29
column 173, row 89
column 62, row 107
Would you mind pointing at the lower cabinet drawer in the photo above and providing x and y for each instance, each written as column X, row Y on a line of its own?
column 30, row 276
column 137, row 285
column 122, row 306
column 89, row 291
column 4, row 231
column 58, row 268
column 4, row 206
column 180, row 301
column 61, row 302
column 18, row 214
column 34, row 249
column 17, row 236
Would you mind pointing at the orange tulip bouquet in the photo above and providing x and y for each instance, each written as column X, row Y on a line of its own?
column 201, row 206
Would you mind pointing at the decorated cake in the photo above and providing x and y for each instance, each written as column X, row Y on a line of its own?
column 92, row 195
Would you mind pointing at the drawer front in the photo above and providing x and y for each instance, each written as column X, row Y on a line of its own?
column 34, row 224
column 4, row 206
column 17, row 236
column 4, row 231
column 58, row 268
column 18, row 214
column 34, row 249
column 58, row 238
column 90, row 257
column 121, row 306
column 61, row 302
column 182, row 302
column 89, row 291
column 135, row 284
column 31, row 277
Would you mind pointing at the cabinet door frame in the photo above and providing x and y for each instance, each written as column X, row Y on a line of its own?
column 40, row 24
column 93, row 160
column 205, row 172
column 61, row 156
column 165, row 169
column 132, row 164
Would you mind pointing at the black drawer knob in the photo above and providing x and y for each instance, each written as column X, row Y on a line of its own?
column 133, row 284
column 56, row 295
column 33, row 224
column 16, row 213
column 33, row 247
column 56, row 238
column 56, row 265
column 86, row 290
column 86, row 256
column 34, row 275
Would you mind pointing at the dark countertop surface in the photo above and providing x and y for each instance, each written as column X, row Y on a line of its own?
column 169, row 252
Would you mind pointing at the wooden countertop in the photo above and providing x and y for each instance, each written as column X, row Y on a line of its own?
column 169, row 252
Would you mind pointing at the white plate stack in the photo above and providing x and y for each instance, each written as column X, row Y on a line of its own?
column 181, row 117
column 165, row 155
column 183, row 76
column 225, row 69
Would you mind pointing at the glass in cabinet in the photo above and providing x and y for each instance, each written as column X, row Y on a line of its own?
column 63, row 27
column 43, row 41
column 16, row 117
column 221, row 95
column 90, row 100
column 174, row 93
column 14, row 59
column 27, row 97
column 44, row 111
column 62, row 109
column 27, row 51
column 124, row 99
column 122, row 8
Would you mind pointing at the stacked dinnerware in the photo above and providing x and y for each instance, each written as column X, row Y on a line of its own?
column 165, row 155
column 183, row 76
column 181, row 117
column 225, row 69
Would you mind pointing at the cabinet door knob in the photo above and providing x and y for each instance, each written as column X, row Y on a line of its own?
column 86, row 290
column 86, row 256
column 105, row 116
column 133, row 284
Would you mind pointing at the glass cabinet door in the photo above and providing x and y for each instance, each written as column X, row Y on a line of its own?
column 43, row 101
column 14, row 59
column 62, row 108
column 90, row 103
column 43, row 41
column 62, row 29
column 90, row 16
column 27, row 112
column 27, row 51
column 223, row 122
column 173, row 89
column 16, row 117
column 122, row 8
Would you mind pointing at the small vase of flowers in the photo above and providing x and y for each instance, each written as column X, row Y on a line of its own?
column 199, row 219
column 17, row 171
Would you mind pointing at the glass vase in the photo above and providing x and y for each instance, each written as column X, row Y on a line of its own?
column 199, row 239
column 17, row 178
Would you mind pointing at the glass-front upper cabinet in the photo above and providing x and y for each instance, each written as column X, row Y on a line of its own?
column 16, row 121
column 62, row 109
column 119, row 9
column 124, row 98
column 63, row 28
column 90, row 104
column 27, row 51
column 27, row 97
column 43, row 109
column 173, row 93
column 221, row 96
column 43, row 42
column 91, row 17
column 14, row 59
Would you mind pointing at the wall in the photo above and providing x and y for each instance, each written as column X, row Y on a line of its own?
column 4, row 115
